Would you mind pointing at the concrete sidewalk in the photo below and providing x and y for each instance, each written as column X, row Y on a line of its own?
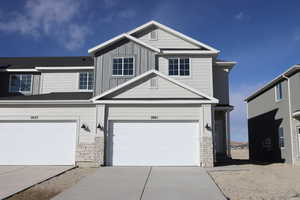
column 145, row 183
column 14, row 179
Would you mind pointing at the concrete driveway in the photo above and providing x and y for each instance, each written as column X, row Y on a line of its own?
column 145, row 183
column 14, row 179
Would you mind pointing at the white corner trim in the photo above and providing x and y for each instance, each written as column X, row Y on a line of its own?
column 174, row 32
column 120, row 37
column 211, row 99
column 154, row 102
column 65, row 68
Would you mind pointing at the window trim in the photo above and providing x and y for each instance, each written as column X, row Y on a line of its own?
column 86, row 90
column 24, row 92
column 281, row 137
column 123, row 57
column 156, row 34
column 276, row 95
column 181, row 76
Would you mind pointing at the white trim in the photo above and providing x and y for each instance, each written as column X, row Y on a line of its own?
column 117, row 38
column 18, row 70
column 64, row 68
column 224, row 108
column 23, row 92
column 212, row 99
column 30, row 102
column 171, row 52
column 180, row 76
column 174, row 32
column 154, row 102
column 133, row 73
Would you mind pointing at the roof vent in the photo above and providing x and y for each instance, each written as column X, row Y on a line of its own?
column 154, row 83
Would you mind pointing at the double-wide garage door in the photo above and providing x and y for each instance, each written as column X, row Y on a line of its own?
column 149, row 143
column 38, row 143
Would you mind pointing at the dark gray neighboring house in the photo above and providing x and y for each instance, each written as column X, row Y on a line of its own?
column 274, row 119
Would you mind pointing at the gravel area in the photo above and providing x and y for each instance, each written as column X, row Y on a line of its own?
column 265, row 182
column 48, row 189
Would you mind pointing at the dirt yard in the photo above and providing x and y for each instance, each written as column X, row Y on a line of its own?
column 251, row 182
column 54, row 186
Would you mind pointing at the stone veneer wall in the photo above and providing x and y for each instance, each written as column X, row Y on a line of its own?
column 206, row 152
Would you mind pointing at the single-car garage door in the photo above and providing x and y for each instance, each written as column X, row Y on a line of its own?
column 38, row 143
column 149, row 143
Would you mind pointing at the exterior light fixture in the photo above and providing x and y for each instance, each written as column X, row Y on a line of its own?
column 100, row 127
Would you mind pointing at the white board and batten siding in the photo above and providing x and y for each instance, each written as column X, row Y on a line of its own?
column 166, row 40
column 201, row 75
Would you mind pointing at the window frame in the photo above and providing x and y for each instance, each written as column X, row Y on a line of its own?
column 19, row 91
column 156, row 34
column 181, row 76
column 87, row 85
column 276, row 92
column 281, row 137
column 122, row 75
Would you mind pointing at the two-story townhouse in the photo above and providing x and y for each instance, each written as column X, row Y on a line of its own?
column 151, row 96
column 274, row 119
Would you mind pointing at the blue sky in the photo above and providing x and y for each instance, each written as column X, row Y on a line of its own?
column 262, row 36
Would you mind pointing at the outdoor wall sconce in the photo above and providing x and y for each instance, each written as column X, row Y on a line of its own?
column 83, row 126
column 207, row 127
column 100, row 127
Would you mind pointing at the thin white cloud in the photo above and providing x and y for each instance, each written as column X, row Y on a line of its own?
column 110, row 3
column 127, row 14
column 123, row 14
column 239, row 127
column 56, row 19
column 241, row 16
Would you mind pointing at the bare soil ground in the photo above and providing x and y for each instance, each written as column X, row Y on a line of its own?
column 53, row 186
column 265, row 182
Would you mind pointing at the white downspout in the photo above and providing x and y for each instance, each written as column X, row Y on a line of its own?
column 290, row 116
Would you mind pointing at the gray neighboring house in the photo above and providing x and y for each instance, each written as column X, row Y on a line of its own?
column 148, row 97
column 274, row 119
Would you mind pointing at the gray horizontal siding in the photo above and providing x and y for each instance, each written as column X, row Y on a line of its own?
column 144, row 61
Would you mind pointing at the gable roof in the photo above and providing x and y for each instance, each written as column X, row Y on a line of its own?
column 210, row 99
column 118, row 38
column 174, row 32
column 273, row 82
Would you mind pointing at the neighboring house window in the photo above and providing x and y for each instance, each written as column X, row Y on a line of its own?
column 122, row 66
column 179, row 67
column 281, row 137
column 278, row 92
column 20, row 83
column 153, row 35
column 86, row 80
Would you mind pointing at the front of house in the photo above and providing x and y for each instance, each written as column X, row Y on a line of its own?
column 148, row 97
column 274, row 119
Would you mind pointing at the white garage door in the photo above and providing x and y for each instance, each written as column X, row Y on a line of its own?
column 156, row 143
column 39, row 143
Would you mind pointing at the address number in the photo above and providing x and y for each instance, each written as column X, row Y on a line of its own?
column 34, row 117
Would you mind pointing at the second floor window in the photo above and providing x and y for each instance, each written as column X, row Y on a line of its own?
column 123, row 66
column 20, row 83
column 179, row 67
column 278, row 92
column 86, row 80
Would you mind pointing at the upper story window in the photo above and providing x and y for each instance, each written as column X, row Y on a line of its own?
column 179, row 67
column 278, row 92
column 20, row 83
column 153, row 35
column 123, row 66
column 281, row 137
column 86, row 80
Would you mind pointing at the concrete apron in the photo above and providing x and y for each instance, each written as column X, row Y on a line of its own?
column 145, row 183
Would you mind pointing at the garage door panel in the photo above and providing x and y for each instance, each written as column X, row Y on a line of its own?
column 40, row 143
column 159, row 143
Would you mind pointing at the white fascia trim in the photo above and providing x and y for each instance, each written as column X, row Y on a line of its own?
column 19, row 70
column 212, row 99
column 64, row 68
column 30, row 102
column 225, row 64
column 174, row 32
column 117, row 38
column 170, row 52
column 154, row 102
column 226, row 108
